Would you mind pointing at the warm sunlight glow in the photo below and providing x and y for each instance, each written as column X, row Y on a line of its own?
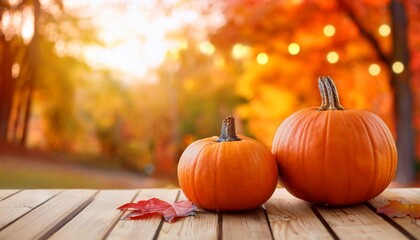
column 136, row 36
column 14, row 2
column 15, row 70
column 329, row 30
column 206, row 48
column 384, row 30
column 240, row 51
column 262, row 58
column 294, row 48
column 297, row 2
column 374, row 69
column 332, row 57
column 398, row 67
column 27, row 31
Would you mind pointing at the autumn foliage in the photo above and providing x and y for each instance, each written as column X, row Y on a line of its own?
column 399, row 209
column 259, row 63
column 154, row 206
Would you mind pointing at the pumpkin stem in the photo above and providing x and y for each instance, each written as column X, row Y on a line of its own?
column 329, row 95
column 228, row 132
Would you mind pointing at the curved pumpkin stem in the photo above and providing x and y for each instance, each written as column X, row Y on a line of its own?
column 329, row 95
column 228, row 132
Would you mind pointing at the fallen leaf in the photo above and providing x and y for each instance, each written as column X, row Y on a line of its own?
column 397, row 209
column 153, row 206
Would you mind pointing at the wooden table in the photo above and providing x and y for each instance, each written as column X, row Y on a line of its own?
column 92, row 214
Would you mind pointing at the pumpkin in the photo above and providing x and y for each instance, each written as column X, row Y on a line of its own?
column 332, row 155
column 229, row 172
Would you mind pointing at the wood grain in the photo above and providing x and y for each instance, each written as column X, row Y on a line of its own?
column 292, row 218
column 92, row 214
column 48, row 217
column 143, row 228
column 358, row 222
column 97, row 219
column 203, row 224
column 21, row 203
column 250, row 224
column 412, row 226
column 6, row 193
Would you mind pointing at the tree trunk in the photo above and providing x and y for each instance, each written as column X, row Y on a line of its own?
column 403, row 100
column 7, row 86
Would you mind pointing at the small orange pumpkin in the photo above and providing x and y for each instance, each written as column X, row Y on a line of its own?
column 333, row 155
column 227, row 173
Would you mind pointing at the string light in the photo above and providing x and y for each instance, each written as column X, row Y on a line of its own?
column 332, row 57
column 329, row 30
column 239, row 51
column 384, row 30
column 398, row 67
column 206, row 48
column 262, row 58
column 374, row 69
column 294, row 48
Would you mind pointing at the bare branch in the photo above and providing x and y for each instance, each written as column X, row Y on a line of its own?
column 347, row 9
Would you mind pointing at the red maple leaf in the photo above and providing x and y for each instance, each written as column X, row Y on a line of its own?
column 153, row 206
column 397, row 209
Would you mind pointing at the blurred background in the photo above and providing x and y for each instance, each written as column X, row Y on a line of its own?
column 108, row 94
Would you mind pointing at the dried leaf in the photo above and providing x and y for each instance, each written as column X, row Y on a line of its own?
column 397, row 209
column 154, row 206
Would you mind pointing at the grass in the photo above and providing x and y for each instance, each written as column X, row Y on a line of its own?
column 25, row 178
column 17, row 173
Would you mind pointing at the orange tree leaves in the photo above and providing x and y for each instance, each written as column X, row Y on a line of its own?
column 271, row 26
column 397, row 209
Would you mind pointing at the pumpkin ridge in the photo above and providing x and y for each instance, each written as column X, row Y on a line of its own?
column 279, row 133
column 190, row 164
column 200, row 155
column 293, row 119
column 392, row 150
column 326, row 151
column 372, row 148
column 353, row 122
column 348, row 172
column 375, row 122
column 304, row 144
column 216, row 197
column 379, row 124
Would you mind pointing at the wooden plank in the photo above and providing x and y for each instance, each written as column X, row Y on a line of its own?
column 292, row 218
column 410, row 194
column 48, row 217
column 358, row 222
column 407, row 195
column 143, row 228
column 251, row 224
column 97, row 219
column 4, row 193
column 203, row 224
column 21, row 203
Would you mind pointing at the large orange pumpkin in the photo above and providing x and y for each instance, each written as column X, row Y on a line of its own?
column 227, row 172
column 333, row 155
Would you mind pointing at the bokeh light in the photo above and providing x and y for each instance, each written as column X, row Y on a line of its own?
column 374, row 69
column 332, row 57
column 262, row 58
column 398, row 67
column 384, row 30
column 294, row 48
column 329, row 30
column 206, row 48
column 239, row 51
